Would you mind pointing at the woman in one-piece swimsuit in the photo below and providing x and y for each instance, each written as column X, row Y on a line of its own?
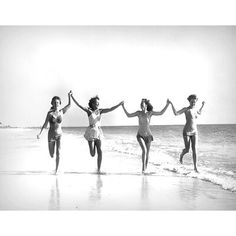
column 190, row 132
column 144, row 135
column 93, row 133
column 54, row 118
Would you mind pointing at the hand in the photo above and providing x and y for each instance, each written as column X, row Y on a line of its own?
column 70, row 93
column 38, row 136
column 122, row 103
column 168, row 101
column 203, row 103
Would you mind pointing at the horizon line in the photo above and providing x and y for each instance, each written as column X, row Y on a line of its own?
column 104, row 126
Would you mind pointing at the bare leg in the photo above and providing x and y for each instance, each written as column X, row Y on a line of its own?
column 51, row 148
column 143, row 153
column 98, row 145
column 193, row 141
column 186, row 149
column 92, row 148
column 58, row 148
column 148, row 145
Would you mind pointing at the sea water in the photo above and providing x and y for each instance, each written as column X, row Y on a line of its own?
column 20, row 150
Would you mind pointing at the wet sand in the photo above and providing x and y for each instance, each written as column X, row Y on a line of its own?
column 27, row 182
column 37, row 190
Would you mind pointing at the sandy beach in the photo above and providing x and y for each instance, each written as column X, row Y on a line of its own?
column 112, row 190
column 27, row 181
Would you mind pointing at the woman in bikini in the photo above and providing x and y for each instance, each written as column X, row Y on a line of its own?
column 54, row 118
column 93, row 133
column 190, row 132
column 144, row 135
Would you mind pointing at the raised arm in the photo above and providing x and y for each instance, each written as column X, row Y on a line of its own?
column 158, row 113
column 129, row 114
column 81, row 107
column 200, row 110
column 64, row 109
column 44, row 125
column 106, row 110
column 176, row 113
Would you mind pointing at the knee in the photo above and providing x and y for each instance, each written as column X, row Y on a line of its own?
column 92, row 153
column 51, row 152
column 186, row 150
column 58, row 156
column 58, row 152
column 100, row 151
column 194, row 150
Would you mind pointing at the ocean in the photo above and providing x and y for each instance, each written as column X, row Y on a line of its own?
column 20, row 150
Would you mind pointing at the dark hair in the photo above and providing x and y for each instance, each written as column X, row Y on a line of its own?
column 92, row 100
column 147, row 102
column 192, row 96
column 55, row 98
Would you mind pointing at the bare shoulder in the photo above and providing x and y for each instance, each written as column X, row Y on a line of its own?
column 50, row 112
column 138, row 113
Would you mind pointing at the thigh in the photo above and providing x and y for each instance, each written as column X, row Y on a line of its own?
column 186, row 141
column 91, row 144
column 98, row 144
column 194, row 142
column 148, row 143
column 51, row 144
column 58, row 142
column 141, row 142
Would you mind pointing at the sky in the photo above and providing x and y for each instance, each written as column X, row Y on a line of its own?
column 117, row 63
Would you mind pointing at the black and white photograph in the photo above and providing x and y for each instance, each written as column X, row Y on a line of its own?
column 117, row 118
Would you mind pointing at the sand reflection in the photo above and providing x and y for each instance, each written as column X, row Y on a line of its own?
column 96, row 191
column 54, row 201
column 144, row 188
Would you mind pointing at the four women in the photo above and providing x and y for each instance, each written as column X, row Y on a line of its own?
column 144, row 136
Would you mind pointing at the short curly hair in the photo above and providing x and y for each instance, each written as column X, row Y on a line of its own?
column 92, row 100
column 192, row 96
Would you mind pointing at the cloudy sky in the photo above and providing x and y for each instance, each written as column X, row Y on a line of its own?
column 117, row 63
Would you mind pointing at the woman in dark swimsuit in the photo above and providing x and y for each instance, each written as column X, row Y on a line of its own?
column 54, row 118
column 190, row 132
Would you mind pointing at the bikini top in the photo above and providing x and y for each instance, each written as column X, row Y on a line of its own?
column 94, row 118
column 54, row 119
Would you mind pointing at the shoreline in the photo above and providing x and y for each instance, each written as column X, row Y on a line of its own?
column 109, row 191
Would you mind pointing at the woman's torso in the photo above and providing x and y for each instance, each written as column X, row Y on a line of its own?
column 55, row 121
column 144, row 123
column 95, row 118
column 190, row 127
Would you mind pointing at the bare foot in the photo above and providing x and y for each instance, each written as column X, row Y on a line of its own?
column 195, row 169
